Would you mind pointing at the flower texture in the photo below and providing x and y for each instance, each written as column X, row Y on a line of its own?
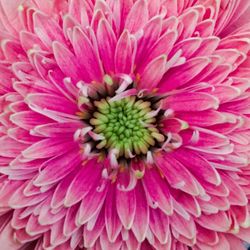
column 125, row 124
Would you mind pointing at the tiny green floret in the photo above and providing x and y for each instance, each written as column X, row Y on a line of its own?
column 125, row 126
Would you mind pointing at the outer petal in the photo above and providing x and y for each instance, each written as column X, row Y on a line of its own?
column 141, row 220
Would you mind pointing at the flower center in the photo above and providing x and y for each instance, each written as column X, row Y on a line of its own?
column 120, row 123
column 126, row 125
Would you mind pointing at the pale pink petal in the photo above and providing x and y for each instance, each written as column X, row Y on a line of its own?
column 137, row 16
column 141, row 220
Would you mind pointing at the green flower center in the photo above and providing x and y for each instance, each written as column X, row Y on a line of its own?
column 127, row 125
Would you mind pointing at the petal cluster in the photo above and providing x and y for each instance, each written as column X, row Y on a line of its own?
column 190, row 189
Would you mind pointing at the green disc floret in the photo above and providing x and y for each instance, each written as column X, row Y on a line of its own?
column 125, row 126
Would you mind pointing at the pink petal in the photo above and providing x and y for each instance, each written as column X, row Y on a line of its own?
column 189, row 70
column 22, row 135
column 91, row 236
column 126, row 213
column 159, row 224
column 70, row 226
column 28, row 119
column 90, row 205
column 156, row 187
column 61, row 190
column 112, row 221
column 67, row 61
column 47, row 148
column 236, row 196
column 141, row 220
column 7, row 240
column 199, row 166
column 208, row 46
column 19, row 200
column 202, row 118
column 137, row 16
column 162, row 46
column 57, row 129
column 90, row 62
column 222, row 222
column 154, row 72
column 123, row 54
column 10, row 147
column 151, row 34
column 189, row 21
column 177, row 175
column 184, row 227
column 83, row 182
column 192, row 102
column 106, row 42
column 57, row 168
column 47, row 29
column 51, row 102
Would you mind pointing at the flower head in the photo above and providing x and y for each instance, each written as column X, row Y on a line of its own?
column 124, row 124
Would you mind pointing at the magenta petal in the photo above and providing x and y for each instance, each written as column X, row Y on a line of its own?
column 53, row 148
column 137, row 16
column 157, row 188
column 123, row 54
column 10, row 148
column 193, row 102
column 90, row 62
column 189, row 70
column 7, row 240
column 70, row 226
column 91, row 205
column 154, row 72
column 112, row 221
column 83, row 182
column 92, row 235
column 67, row 61
column 28, row 119
column 159, row 224
column 126, row 213
column 177, row 175
column 182, row 226
column 106, row 42
column 51, row 102
column 47, row 29
column 51, row 171
column 207, row 221
column 141, row 220
column 199, row 166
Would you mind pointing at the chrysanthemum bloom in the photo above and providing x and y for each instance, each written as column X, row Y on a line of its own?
column 124, row 124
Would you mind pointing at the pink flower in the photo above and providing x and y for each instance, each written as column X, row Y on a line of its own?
column 125, row 124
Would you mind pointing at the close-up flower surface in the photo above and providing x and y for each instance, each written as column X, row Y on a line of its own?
column 124, row 124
